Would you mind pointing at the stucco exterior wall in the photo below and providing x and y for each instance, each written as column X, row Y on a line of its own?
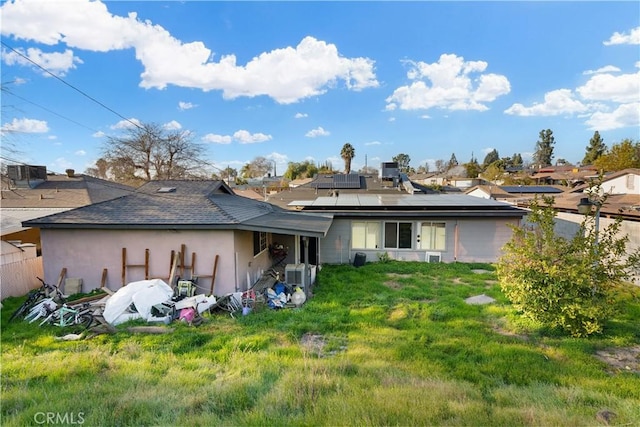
column 85, row 253
column 467, row 240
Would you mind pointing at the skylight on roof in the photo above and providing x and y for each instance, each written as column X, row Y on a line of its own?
column 166, row 189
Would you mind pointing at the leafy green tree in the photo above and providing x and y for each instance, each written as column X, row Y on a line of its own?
column 472, row 167
column 326, row 167
column 594, row 150
column 621, row 156
column 403, row 161
column 566, row 283
column 347, row 153
column 544, row 148
column 453, row 162
column 491, row 157
column 300, row 170
column 516, row 160
column 494, row 172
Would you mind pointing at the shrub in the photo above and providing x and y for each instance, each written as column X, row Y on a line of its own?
column 565, row 283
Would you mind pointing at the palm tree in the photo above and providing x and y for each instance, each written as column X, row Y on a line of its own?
column 347, row 153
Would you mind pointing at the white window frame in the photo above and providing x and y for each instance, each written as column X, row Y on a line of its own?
column 436, row 240
column 371, row 236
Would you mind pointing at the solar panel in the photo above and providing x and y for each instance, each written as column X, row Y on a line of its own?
column 346, row 181
column 530, row 189
column 340, row 181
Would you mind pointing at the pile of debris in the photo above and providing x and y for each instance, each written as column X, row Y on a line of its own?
column 154, row 301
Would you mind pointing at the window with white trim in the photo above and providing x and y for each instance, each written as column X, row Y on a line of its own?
column 365, row 234
column 398, row 235
column 259, row 242
column 433, row 236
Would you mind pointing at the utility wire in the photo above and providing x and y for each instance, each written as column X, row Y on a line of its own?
column 70, row 85
column 48, row 110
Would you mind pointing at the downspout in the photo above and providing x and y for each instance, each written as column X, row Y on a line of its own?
column 307, row 270
column 455, row 241
column 236, row 270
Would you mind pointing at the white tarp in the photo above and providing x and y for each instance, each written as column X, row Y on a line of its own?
column 143, row 294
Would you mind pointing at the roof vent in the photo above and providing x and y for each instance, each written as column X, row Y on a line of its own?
column 167, row 190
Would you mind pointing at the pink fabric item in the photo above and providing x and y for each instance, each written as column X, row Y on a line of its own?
column 187, row 314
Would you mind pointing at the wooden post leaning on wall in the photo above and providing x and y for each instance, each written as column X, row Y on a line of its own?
column 125, row 265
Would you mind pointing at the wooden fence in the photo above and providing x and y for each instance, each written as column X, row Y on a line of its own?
column 18, row 278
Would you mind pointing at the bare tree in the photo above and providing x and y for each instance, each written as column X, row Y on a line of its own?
column 149, row 151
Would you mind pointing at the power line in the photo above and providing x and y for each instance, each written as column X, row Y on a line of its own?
column 48, row 110
column 71, row 86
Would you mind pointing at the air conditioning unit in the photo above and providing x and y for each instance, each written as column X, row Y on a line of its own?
column 296, row 275
column 433, row 257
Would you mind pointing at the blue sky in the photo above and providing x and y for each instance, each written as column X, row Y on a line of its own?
column 295, row 81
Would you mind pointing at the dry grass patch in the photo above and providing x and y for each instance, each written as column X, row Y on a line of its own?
column 623, row 359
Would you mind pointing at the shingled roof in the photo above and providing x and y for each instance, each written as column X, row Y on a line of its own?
column 178, row 204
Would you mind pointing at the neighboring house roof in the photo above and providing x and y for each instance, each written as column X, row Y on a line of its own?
column 55, row 194
column 429, row 205
column 61, row 191
column 514, row 191
column 625, row 206
column 178, row 204
column 342, row 184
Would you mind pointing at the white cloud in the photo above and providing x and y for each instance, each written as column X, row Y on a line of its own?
column 172, row 125
column 319, row 131
column 60, row 164
column 99, row 134
column 607, row 101
column 448, row 84
column 557, row 102
column 605, row 69
column 241, row 136
column 182, row 106
column 607, row 87
column 373, row 143
column 245, row 137
column 626, row 115
column 80, row 153
column 58, row 63
column 217, row 139
column 287, row 75
column 487, row 150
column 25, row 126
column 621, row 38
column 127, row 124
column 301, row 115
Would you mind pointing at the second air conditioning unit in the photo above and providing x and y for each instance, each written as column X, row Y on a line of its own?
column 296, row 275
column 433, row 257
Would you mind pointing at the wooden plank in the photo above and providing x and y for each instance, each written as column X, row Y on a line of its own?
column 63, row 273
column 183, row 249
column 213, row 276
column 124, row 266
column 193, row 264
column 172, row 274
column 146, row 264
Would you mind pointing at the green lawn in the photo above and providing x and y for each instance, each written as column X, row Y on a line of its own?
column 384, row 344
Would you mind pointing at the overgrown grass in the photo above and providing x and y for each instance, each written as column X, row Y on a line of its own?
column 384, row 344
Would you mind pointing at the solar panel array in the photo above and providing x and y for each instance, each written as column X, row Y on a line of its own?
column 530, row 189
column 342, row 181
